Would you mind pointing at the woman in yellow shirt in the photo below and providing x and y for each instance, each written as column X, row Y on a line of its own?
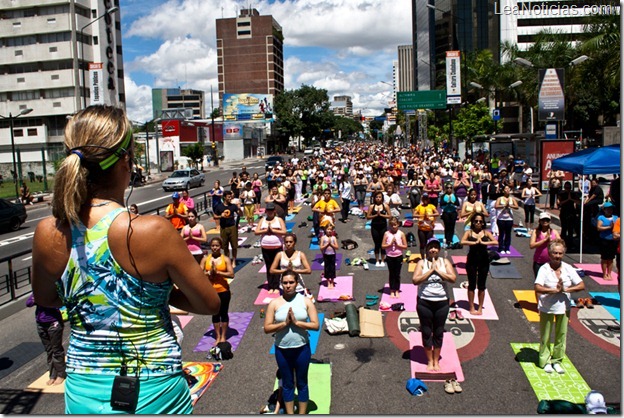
column 425, row 213
column 218, row 269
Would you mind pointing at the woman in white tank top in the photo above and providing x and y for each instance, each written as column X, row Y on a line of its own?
column 291, row 259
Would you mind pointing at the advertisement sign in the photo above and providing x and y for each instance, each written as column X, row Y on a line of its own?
column 96, row 76
column 232, row 131
column 551, row 101
column 453, row 77
column 551, row 150
column 170, row 128
column 551, row 130
column 247, row 106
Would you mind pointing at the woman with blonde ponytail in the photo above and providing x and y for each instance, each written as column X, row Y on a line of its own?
column 116, row 273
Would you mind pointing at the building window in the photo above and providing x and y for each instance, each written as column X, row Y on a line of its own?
column 55, row 77
column 95, row 40
column 18, row 132
column 32, row 131
column 19, row 53
column 17, row 24
column 21, row 80
column 53, row 49
column 52, row 21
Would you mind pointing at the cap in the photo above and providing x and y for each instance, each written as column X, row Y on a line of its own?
column 595, row 403
column 425, row 195
column 544, row 215
column 270, row 206
column 607, row 205
column 433, row 241
column 175, row 195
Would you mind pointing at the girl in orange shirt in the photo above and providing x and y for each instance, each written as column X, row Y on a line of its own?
column 218, row 268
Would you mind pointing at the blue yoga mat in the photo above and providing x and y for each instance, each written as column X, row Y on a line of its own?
column 289, row 226
column 314, row 336
column 610, row 301
column 368, row 225
column 290, row 217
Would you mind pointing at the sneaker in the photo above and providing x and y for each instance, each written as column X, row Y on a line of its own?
column 382, row 264
column 377, row 264
column 558, row 368
column 549, row 368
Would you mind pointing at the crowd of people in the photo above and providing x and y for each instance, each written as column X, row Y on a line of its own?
column 126, row 269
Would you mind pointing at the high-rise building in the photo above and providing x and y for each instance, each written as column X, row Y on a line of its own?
column 342, row 105
column 46, row 48
column 250, row 56
column 404, row 79
column 163, row 99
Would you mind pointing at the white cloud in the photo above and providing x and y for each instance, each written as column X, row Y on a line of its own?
column 138, row 101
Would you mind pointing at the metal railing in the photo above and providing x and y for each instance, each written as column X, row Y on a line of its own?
column 17, row 282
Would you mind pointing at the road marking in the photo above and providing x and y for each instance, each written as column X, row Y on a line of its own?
column 17, row 239
column 27, row 258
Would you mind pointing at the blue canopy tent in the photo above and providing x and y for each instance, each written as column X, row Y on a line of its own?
column 603, row 160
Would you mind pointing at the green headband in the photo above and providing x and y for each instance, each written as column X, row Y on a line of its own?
column 112, row 159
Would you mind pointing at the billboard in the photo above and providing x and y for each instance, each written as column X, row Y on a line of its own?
column 246, row 106
column 421, row 99
column 453, row 77
column 96, row 75
column 551, row 150
column 551, row 100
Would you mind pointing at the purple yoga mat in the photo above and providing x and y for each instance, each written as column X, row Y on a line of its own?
column 239, row 321
column 513, row 252
column 316, row 263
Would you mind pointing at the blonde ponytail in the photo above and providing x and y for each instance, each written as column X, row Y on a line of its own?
column 70, row 189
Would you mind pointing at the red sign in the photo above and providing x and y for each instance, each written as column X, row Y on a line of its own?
column 551, row 150
column 170, row 127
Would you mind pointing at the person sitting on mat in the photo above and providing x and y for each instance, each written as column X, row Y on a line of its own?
column 431, row 276
column 290, row 317
column 555, row 280
column 477, row 238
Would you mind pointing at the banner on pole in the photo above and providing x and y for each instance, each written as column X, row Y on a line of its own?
column 453, row 77
column 95, row 77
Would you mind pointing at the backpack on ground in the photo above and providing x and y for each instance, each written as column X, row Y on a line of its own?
column 349, row 244
column 225, row 350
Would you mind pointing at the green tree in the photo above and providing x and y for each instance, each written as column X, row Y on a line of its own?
column 347, row 126
column 471, row 120
column 194, row 152
column 303, row 112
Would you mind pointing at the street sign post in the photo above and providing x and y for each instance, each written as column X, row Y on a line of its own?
column 422, row 99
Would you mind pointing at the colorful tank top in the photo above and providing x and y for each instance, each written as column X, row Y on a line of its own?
column 113, row 315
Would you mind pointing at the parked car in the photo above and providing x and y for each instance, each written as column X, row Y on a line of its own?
column 272, row 161
column 12, row 215
column 184, row 179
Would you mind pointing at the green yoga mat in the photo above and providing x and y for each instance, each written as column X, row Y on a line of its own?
column 569, row 386
column 353, row 320
column 319, row 385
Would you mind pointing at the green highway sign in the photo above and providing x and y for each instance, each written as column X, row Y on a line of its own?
column 421, row 99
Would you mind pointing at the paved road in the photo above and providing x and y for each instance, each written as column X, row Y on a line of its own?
column 368, row 375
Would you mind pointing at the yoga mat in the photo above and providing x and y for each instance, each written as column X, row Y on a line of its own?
column 290, row 217
column 449, row 361
column 409, row 215
column 39, row 385
column 438, row 227
column 314, row 336
column 316, row 263
column 240, row 263
column 407, row 296
column 411, row 267
column 239, row 321
column 264, row 297
column 610, row 301
column 204, row 373
column 504, row 271
column 289, row 226
column 367, row 225
column 441, row 238
column 595, row 272
column 314, row 244
column 184, row 320
column 260, row 211
column 213, row 231
column 514, row 252
column 343, row 286
column 319, row 387
column 353, row 320
column 296, row 209
column 460, row 263
column 371, row 323
column 461, row 301
column 528, row 303
column 569, row 386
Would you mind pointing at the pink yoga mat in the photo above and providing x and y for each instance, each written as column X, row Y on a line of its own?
column 407, row 296
column 460, row 263
column 184, row 320
column 263, row 269
column 461, row 300
column 449, row 361
column 343, row 286
column 595, row 272
column 264, row 297
column 438, row 227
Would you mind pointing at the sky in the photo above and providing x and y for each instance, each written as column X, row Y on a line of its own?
column 343, row 46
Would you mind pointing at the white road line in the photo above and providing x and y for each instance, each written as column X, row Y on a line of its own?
column 27, row 258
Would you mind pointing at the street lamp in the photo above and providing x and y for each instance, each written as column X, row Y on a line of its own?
column 84, row 86
column 11, row 118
